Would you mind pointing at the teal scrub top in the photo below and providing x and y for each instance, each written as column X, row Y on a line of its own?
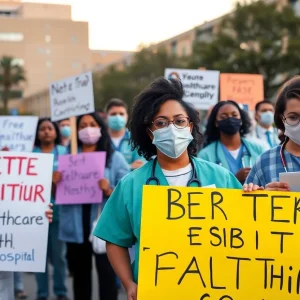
column 125, row 148
column 120, row 221
column 215, row 154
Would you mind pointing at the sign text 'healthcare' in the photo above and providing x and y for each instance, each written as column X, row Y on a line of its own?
column 219, row 244
column 201, row 87
column 25, row 191
column 17, row 133
column 80, row 178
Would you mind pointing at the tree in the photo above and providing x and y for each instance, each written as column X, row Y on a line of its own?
column 258, row 39
column 127, row 83
column 11, row 75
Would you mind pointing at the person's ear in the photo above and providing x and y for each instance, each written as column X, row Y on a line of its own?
column 256, row 117
column 191, row 126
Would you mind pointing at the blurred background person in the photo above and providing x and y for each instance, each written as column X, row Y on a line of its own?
column 117, row 117
column 65, row 131
column 225, row 135
column 264, row 130
column 48, row 141
column 77, row 220
column 19, row 286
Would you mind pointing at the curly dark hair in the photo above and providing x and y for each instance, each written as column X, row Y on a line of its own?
column 212, row 133
column 37, row 141
column 290, row 90
column 104, row 143
column 147, row 105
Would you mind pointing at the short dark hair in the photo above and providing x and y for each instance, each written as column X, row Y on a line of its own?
column 290, row 90
column 212, row 133
column 58, row 122
column 37, row 141
column 147, row 105
column 104, row 143
column 115, row 102
column 259, row 104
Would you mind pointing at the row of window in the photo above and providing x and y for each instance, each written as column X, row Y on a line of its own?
column 19, row 37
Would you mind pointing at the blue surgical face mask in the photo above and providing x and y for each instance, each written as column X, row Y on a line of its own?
column 116, row 122
column 172, row 141
column 267, row 118
column 65, row 131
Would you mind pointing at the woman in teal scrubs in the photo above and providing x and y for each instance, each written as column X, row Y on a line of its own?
column 226, row 144
column 162, row 126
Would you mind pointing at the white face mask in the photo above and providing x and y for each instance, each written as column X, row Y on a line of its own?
column 293, row 132
column 172, row 141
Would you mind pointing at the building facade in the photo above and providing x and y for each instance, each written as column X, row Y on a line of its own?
column 45, row 41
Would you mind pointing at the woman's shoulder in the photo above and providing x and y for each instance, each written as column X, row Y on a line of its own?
column 208, row 149
column 207, row 166
column 255, row 145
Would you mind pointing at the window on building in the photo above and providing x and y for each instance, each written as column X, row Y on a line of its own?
column 174, row 47
column 11, row 37
column 205, row 35
column 74, row 39
column 48, row 64
column 47, row 38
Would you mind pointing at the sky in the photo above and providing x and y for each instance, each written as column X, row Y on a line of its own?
column 126, row 24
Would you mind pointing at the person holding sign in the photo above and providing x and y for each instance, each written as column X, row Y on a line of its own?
column 117, row 118
column 227, row 126
column 286, row 157
column 164, row 126
column 48, row 141
column 76, row 221
column 7, row 278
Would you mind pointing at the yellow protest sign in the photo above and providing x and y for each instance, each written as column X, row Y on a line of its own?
column 219, row 244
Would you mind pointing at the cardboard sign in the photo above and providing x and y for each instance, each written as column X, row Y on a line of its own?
column 219, row 244
column 242, row 88
column 80, row 176
column 17, row 133
column 201, row 87
column 73, row 96
column 25, row 192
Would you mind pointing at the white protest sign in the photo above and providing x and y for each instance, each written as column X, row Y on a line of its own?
column 17, row 133
column 201, row 87
column 25, row 192
column 72, row 96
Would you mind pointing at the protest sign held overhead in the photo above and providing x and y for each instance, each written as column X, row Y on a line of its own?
column 25, row 192
column 80, row 176
column 72, row 96
column 242, row 88
column 219, row 244
column 17, row 133
column 201, row 87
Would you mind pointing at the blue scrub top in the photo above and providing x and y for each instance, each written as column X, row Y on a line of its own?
column 120, row 221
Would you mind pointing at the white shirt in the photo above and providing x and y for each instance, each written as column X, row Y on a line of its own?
column 116, row 141
column 235, row 153
column 179, row 177
column 260, row 133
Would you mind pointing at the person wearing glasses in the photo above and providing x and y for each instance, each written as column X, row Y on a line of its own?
column 162, row 126
column 285, row 157
column 227, row 146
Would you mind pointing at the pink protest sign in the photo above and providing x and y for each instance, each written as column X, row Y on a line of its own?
column 80, row 176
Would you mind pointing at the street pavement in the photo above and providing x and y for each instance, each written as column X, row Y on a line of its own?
column 30, row 288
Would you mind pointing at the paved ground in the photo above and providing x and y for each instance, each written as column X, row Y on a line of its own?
column 30, row 288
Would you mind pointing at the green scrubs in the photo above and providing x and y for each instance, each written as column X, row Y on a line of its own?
column 120, row 220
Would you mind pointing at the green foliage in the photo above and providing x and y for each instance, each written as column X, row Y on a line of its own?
column 256, row 38
column 126, row 84
column 11, row 75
